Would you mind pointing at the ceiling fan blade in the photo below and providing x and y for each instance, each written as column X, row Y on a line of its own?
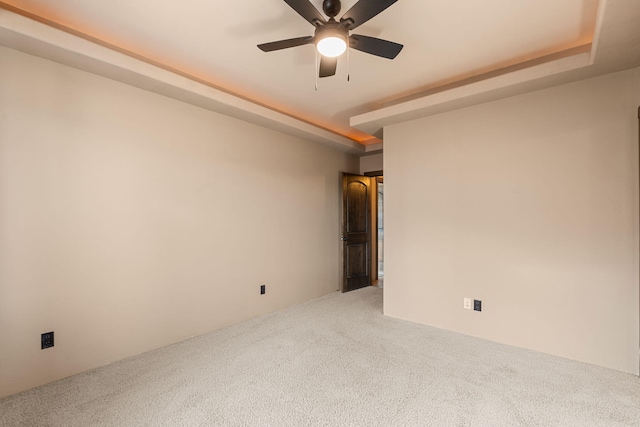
column 306, row 10
column 285, row 44
column 364, row 10
column 328, row 66
column 374, row 46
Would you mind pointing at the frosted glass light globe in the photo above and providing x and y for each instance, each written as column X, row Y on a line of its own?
column 331, row 46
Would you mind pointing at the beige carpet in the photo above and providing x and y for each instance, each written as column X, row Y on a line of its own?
column 335, row 361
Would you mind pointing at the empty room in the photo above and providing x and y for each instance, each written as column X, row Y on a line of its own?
column 320, row 212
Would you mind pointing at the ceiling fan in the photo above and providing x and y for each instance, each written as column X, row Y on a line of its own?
column 332, row 37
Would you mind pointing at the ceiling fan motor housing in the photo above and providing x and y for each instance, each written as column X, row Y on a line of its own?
column 331, row 8
column 331, row 29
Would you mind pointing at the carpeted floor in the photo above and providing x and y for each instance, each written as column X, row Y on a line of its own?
column 335, row 361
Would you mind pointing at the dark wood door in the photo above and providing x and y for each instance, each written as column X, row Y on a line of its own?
column 356, row 231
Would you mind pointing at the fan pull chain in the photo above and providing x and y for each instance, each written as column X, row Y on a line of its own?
column 348, row 59
column 316, row 70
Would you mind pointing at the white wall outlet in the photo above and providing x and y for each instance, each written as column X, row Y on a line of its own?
column 467, row 303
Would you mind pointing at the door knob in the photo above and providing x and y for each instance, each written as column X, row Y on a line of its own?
column 344, row 238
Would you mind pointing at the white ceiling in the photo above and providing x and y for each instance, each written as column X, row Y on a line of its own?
column 445, row 42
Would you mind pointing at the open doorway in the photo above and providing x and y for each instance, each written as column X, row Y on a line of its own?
column 380, row 230
column 358, row 231
column 377, row 231
column 362, row 238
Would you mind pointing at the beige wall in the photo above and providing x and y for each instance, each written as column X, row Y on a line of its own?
column 529, row 204
column 371, row 163
column 129, row 221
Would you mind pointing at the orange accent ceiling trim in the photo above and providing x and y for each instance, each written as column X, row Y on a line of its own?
column 584, row 45
column 486, row 73
column 368, row 139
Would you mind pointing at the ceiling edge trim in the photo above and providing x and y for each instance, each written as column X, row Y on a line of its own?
column 37, row 36
column 597, row 33
column 485, row 90
column 571, row 65
column 373, row 148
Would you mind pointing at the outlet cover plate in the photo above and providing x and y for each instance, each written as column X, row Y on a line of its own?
column 467, row 303
column 46, row 340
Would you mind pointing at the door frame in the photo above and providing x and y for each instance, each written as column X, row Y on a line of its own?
column 374, row 175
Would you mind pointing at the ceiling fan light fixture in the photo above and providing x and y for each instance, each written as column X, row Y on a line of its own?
column 332, row 37
column 332, row 47
column 331, row 42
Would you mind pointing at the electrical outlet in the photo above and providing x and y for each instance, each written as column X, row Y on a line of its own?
column 46, row 340
column 263, row 289
column 477, row 305
column 467, row 303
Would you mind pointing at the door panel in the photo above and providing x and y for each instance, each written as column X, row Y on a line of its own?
column 356, row 261
column 357, row 193
column 356, row 231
